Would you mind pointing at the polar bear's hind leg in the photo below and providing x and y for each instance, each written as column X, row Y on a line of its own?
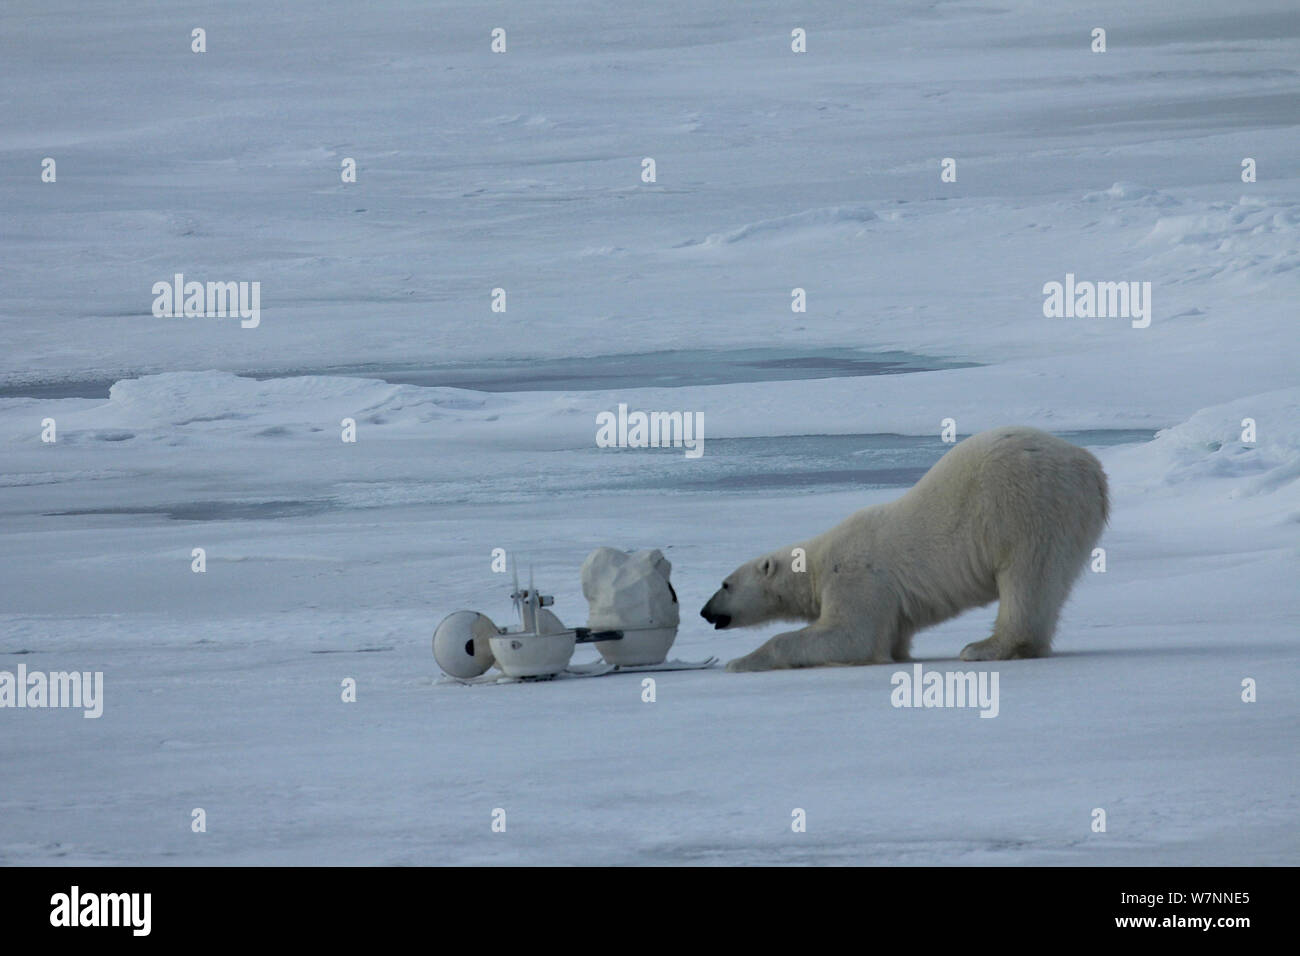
column 1030, row 597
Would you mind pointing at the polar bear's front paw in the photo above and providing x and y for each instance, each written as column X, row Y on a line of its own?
column 747, row 664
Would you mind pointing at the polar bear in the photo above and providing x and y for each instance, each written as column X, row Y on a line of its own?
column 1010, row 514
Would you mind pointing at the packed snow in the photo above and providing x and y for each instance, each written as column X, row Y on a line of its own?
column 329, row 560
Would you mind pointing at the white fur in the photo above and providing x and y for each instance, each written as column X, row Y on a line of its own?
column 1010, row 515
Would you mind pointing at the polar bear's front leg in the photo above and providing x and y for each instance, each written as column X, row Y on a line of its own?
column 813, row 646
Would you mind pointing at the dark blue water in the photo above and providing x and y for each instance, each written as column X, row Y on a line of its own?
column 668, row 369
column 591, row 373
column 799, row 462
column 787, row 464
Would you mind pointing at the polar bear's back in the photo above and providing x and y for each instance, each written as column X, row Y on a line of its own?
column 1014, row 486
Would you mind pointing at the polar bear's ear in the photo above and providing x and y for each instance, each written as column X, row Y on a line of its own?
column 768, row 567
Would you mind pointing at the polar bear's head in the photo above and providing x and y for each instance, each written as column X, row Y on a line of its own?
column 755, row 593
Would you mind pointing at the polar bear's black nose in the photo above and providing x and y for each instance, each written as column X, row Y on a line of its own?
column 719, row 621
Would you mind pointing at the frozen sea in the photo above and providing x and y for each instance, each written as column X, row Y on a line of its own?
column 522, row 171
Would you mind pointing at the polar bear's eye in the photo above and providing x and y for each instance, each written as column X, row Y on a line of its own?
column 725, row 585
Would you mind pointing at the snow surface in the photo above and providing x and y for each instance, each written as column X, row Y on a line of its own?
column 328, row 560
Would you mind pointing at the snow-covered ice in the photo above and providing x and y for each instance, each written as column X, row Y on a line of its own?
column 775, row 170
